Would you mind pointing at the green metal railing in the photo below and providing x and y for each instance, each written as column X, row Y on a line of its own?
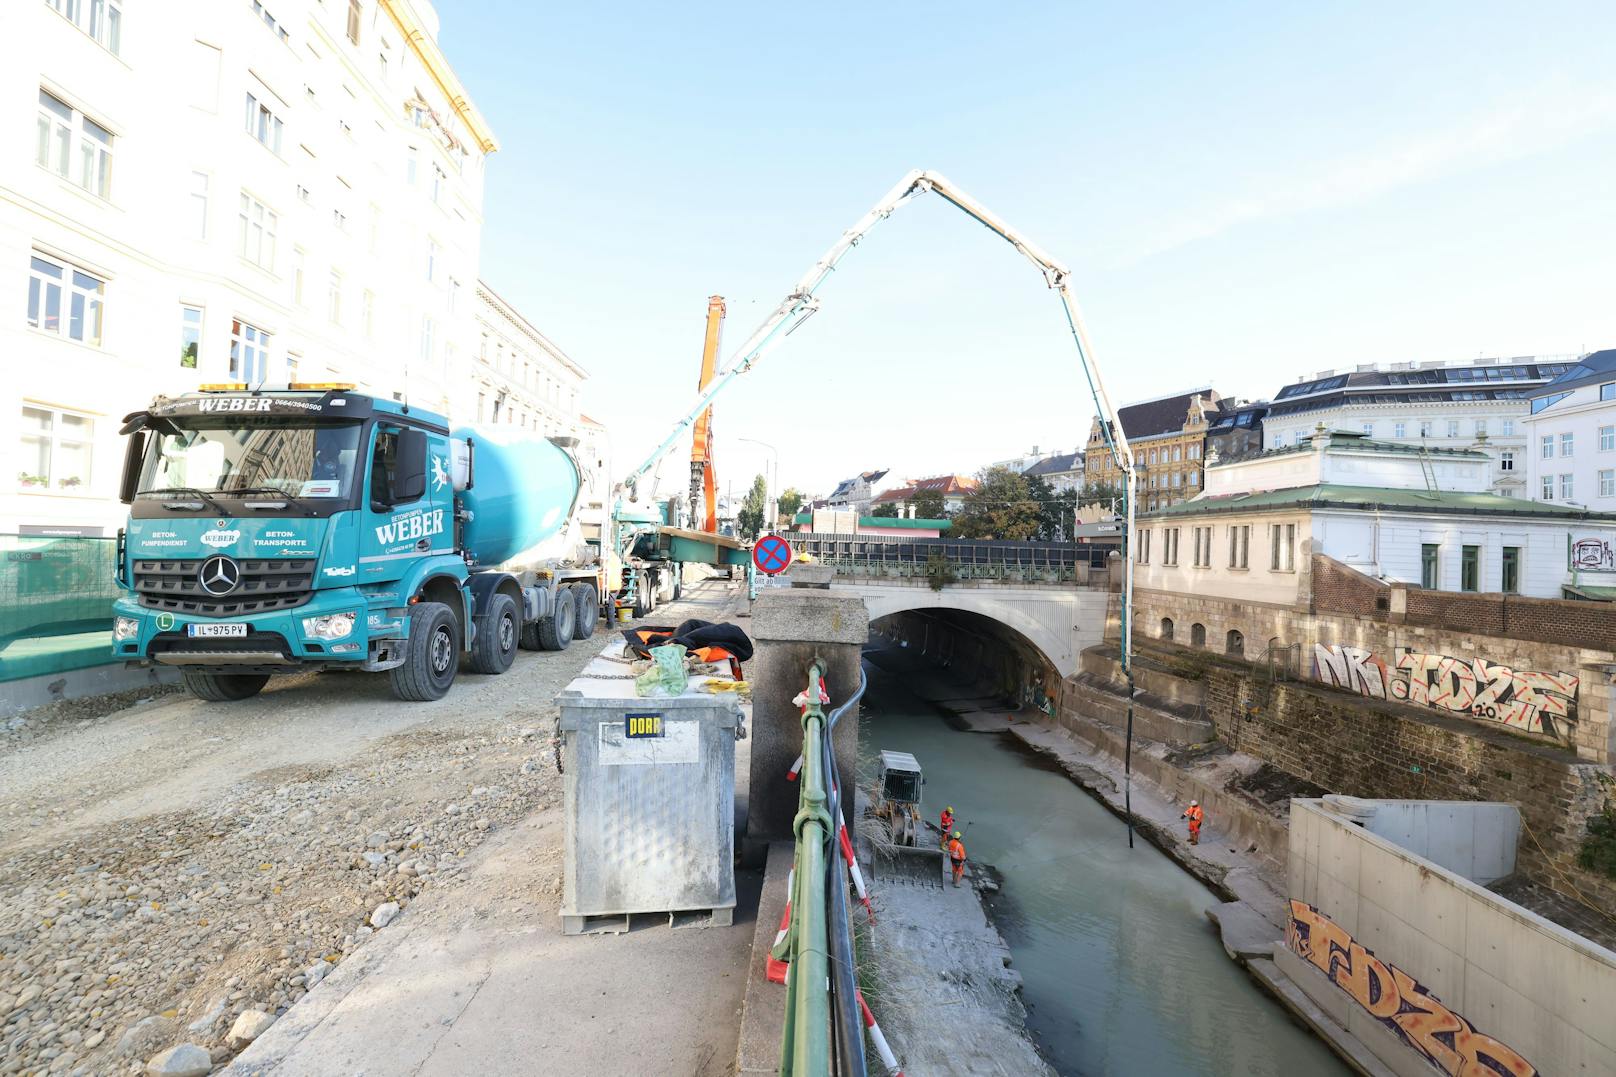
column 805, row 1049
column 56, row 598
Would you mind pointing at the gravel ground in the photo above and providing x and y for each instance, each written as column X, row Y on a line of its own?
column 171, row 865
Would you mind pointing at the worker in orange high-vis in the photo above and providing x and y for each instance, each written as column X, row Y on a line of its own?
column 948, row 824
column 956, row 854
column 1196, row 816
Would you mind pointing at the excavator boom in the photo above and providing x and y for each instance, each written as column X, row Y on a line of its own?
column 703, row 477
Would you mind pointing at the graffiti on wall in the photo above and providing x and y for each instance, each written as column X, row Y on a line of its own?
column 1416, row 1016
column 1524, row 699
column 1592, row 555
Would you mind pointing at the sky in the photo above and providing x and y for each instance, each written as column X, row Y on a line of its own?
column 1245, row 194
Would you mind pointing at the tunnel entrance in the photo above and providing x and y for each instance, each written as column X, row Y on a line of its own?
column 989, row 652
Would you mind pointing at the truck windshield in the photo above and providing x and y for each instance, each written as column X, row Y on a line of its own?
column 245, row 457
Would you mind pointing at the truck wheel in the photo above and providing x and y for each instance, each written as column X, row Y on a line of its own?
column 555, row 631
column 588, row 618
column 644, row 596
column 494, row 649
column 678, row 583
column 223, row 687
column 667, row 585
column 433, row 655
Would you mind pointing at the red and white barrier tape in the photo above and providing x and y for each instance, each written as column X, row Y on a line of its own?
column 882, row 1048
column 858, row 876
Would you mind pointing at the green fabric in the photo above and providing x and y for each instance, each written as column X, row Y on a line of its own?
column 1331, row 495
column 56, row 598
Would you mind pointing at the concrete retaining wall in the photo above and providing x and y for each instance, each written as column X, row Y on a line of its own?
column 1402, row 951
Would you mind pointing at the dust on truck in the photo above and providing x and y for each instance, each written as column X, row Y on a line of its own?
column 277, row 531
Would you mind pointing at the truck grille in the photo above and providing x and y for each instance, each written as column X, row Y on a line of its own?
column 266, row 585
column 253, row 647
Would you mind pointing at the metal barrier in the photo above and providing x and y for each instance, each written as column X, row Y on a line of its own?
column 56, row 598
column 964, row 559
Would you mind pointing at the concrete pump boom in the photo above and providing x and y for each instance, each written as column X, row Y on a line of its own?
column 801, row 303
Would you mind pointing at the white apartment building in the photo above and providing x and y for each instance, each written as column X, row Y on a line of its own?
column 202, row 191
column 1480, row 404
column 518, row 376
column 1571, row 435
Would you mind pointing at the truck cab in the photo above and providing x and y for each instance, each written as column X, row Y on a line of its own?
column 286, row 530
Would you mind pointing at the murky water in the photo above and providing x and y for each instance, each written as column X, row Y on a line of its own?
column 1124, row 975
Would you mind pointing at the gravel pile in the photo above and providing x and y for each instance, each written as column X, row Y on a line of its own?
column 125, row 939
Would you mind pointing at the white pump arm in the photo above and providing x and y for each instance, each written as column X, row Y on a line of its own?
column 801, row 303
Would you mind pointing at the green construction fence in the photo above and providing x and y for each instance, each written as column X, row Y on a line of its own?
column 56, row 598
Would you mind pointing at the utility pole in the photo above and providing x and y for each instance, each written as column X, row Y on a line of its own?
column 771, row 497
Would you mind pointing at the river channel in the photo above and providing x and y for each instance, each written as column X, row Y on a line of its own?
column 1123, row 973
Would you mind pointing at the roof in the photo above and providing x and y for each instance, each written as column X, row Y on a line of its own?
column 1592, row 369
column 886, row 521
column 1428, row 383
column 942, row 484
column 1245, row 417
column 1355, row 441
column 901, row 761
column 1333, row 496
column 1057, row 465
column 847, row 485
column 1165, row 415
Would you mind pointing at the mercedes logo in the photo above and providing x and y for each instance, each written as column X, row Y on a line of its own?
column 219, row 575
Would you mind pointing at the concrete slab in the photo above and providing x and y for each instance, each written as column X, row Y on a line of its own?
column 763, row 1010
column 807, row 615
column 1349, row 1047
column 1246, row 932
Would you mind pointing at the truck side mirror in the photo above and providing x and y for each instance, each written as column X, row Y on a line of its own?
column 134, row 452
column 409, row 476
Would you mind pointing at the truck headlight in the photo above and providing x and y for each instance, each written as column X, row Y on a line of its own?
column 329, row 626
column 125, row 628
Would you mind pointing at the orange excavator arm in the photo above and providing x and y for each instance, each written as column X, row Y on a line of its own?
column 703, row 479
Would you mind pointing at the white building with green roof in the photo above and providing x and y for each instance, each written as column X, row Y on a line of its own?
column 1398, row 512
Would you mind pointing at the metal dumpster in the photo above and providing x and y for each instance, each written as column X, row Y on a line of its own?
column 650, row 799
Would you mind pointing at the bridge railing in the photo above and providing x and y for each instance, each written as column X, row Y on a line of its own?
column 883, row 557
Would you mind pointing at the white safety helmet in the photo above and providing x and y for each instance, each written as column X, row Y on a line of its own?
column 1195, row 803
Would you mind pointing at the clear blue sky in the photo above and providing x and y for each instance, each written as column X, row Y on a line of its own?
column 1245, row 193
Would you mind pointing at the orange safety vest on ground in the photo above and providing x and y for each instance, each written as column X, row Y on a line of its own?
column 956, row 851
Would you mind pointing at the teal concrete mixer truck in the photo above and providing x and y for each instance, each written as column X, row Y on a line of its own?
column 276, row 531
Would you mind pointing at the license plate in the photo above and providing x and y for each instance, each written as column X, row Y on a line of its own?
column 237, row 628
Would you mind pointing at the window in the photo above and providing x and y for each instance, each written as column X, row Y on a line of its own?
column 53, row 285
column 1425, row 428
column 1369, row 430
column 257, row 235
column 1177, row 453
column 1548, row 446
column 431, row 260
column 190, row 336
column 249, row 352
column 1469, row 568
column 1507, row 428
column 1548, row 488
column 439, row 178
column 1166, row 628
column 74, row 146
column 1170, row 546
column 1506, row 492
column 304, row 195
column 1282, row 547
column 1429, row 564
column 333, row 298
column 381, row 63
column 454, row 294
column 269, row 20
column 339, row 220
column 199, row 205
column 297, row 275
column 1510, row 581
column 1607, row 438
column 1153, row 457
column 1197, row 635
column 427, row 329
column 101, row 19
column 1144, row 547
column 55, row 449
column 1565, row 488
column 1194, row 452
column 367, row 312
column 1234, row 642
column 1200, row 546
column 1453, row 428
column 1607, row 391
column 482, row 408
column 353, row 21
column 1400, row 430
column 411, row 162
column 1194, row 478
column 1239, row 545
column 1566, row 444
column 262, row 124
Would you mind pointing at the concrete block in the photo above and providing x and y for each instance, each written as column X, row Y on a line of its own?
column 1246, row 933
column 810, row 575
column 809, row 616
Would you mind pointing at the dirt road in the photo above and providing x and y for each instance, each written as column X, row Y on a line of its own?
column 169, row 866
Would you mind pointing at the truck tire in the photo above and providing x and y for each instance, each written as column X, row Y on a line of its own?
column 588, row 610
column 223, row 687
column 494, row 649
column 644, row 595
column 667, row 585
column 678, row 582
column 433, row 655
column 555, row 631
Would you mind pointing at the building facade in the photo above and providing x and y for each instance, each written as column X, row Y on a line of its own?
column 952, row 488
column 1237, row 430
column 236, row 191
column 518, row 376
column 1167, row 436
column 1063, row 471
column 856, row 493
column 1480, row 403
column 1399, row 513
column 1571, row 435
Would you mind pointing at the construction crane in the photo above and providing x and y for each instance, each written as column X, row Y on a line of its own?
column 703, row 477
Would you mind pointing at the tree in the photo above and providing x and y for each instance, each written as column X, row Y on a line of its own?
column 790, row 502
column 930, row 505
column 886, row 510
column 1102, row 494
column 749, row 521
column 1001, row 507
column 1055, row 509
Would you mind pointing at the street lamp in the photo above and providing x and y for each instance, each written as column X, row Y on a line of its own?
column 771, row 506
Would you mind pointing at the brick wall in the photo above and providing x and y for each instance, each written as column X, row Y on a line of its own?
column 1339, row 589
column 1352, row 746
